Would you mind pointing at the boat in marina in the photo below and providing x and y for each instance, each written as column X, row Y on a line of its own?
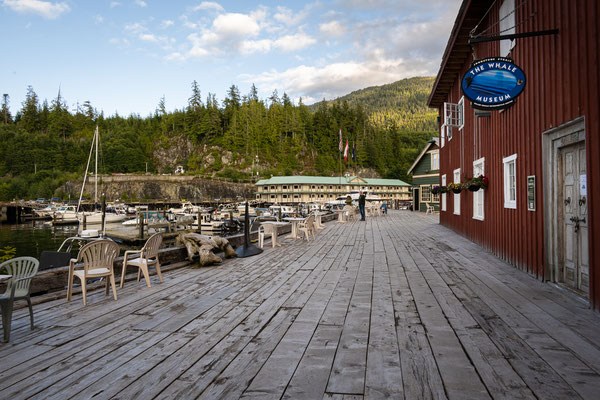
column 186, row 208
column 65, row 215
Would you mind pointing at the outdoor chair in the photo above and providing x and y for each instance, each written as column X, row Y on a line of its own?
column 97, row 257
column 261, row 236
column 147, row 256
column 349, row 212
column 22, row 269
column 307, row 227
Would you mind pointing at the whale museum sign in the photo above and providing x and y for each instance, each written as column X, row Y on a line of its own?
column 493, row 83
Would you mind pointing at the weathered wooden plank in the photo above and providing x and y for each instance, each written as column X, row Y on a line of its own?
column 126, row 375
column 310, row 378
column 384, row 373
column 197, row 378
column 77, row 381
column 420, row 375
column 231, row 383
column 177, row 362
column 458, row 374
column 348, row 372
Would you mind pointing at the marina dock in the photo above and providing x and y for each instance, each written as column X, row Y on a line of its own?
column 394, row 307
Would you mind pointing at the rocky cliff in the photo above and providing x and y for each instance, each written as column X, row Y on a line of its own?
column 168, row 188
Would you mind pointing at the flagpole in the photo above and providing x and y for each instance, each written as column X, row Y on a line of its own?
column 340, row 156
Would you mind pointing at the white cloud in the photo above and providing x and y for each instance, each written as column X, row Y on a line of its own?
column 148, row 37
column 256, row 46
column 336, row 79
column 46, row 9
column 140, row 3
column 333, row 28
column 166, row 23
column 287, row 17
column 98, row 19
column 234, row 25
column 209, row 5
column 294, row 42
column 114, row 4
column 120, row 42
column 187, row 23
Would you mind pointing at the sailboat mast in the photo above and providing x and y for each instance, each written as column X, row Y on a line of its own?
column 86, row 171
column 96, row 172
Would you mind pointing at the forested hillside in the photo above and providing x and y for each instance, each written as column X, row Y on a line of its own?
column 402, row 104
column 43, row 145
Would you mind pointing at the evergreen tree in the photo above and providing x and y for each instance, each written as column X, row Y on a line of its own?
column 5, row 116
column 30, row 115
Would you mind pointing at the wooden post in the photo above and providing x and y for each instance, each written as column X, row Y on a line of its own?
column 84, row 221
column 141, row 223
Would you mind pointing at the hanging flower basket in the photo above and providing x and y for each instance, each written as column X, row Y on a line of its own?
column 435, row 190
column 455, row 187
column 476, row 183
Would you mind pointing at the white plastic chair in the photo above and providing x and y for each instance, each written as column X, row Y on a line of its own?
column 97, row 257
column 22, row 269
column 148, row 255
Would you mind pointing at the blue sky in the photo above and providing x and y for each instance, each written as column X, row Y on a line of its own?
column 123, row 56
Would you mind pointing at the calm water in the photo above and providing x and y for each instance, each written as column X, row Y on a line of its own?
column 31, row 239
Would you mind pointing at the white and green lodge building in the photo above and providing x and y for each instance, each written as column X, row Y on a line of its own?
column 308, row 189
column 425, row 172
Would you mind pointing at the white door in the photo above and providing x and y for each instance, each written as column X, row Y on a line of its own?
column 574, row 222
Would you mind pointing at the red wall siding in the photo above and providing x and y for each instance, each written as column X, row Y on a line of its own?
column 562, row 84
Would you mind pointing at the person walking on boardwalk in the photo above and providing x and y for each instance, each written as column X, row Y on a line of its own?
column 361, row 205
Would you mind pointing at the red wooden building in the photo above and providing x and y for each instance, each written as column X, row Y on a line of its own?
column 541, row 210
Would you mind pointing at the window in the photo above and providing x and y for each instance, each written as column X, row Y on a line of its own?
column 313, row 187
column 425, row 193
column 457, row 195
column 461, row 113
column 444, row 194
column 510, row 181
column 435, row 160
column 285, row 196
column 295, row 186
column 507, row 24
column 284, row 187
column 272, row 196
column 296, row 196
column 453, row 113
column 330, row 187
column 272, row 187
column 478, row 169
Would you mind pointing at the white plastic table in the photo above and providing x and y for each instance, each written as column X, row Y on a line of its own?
column 318, row 222
column 274, row 227
column 294, row 221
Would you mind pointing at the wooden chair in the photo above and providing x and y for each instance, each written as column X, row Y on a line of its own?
column 97, row 257
column 22, row 269
column 307, row 227
column 148, row 255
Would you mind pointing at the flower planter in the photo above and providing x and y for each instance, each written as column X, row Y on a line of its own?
column 474, row 188
column 456, row 191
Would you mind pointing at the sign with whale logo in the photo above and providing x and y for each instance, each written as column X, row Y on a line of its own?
column 493, row 83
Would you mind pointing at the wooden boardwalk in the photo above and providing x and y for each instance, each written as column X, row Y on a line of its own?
column 394, row 307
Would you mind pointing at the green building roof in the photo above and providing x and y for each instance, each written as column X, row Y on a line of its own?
column 330, row 180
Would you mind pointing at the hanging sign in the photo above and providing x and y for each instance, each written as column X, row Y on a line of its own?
column 493, row 83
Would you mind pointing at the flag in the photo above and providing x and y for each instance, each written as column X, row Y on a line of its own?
column 341, row 144
column 346, row 152
column 353, row 151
